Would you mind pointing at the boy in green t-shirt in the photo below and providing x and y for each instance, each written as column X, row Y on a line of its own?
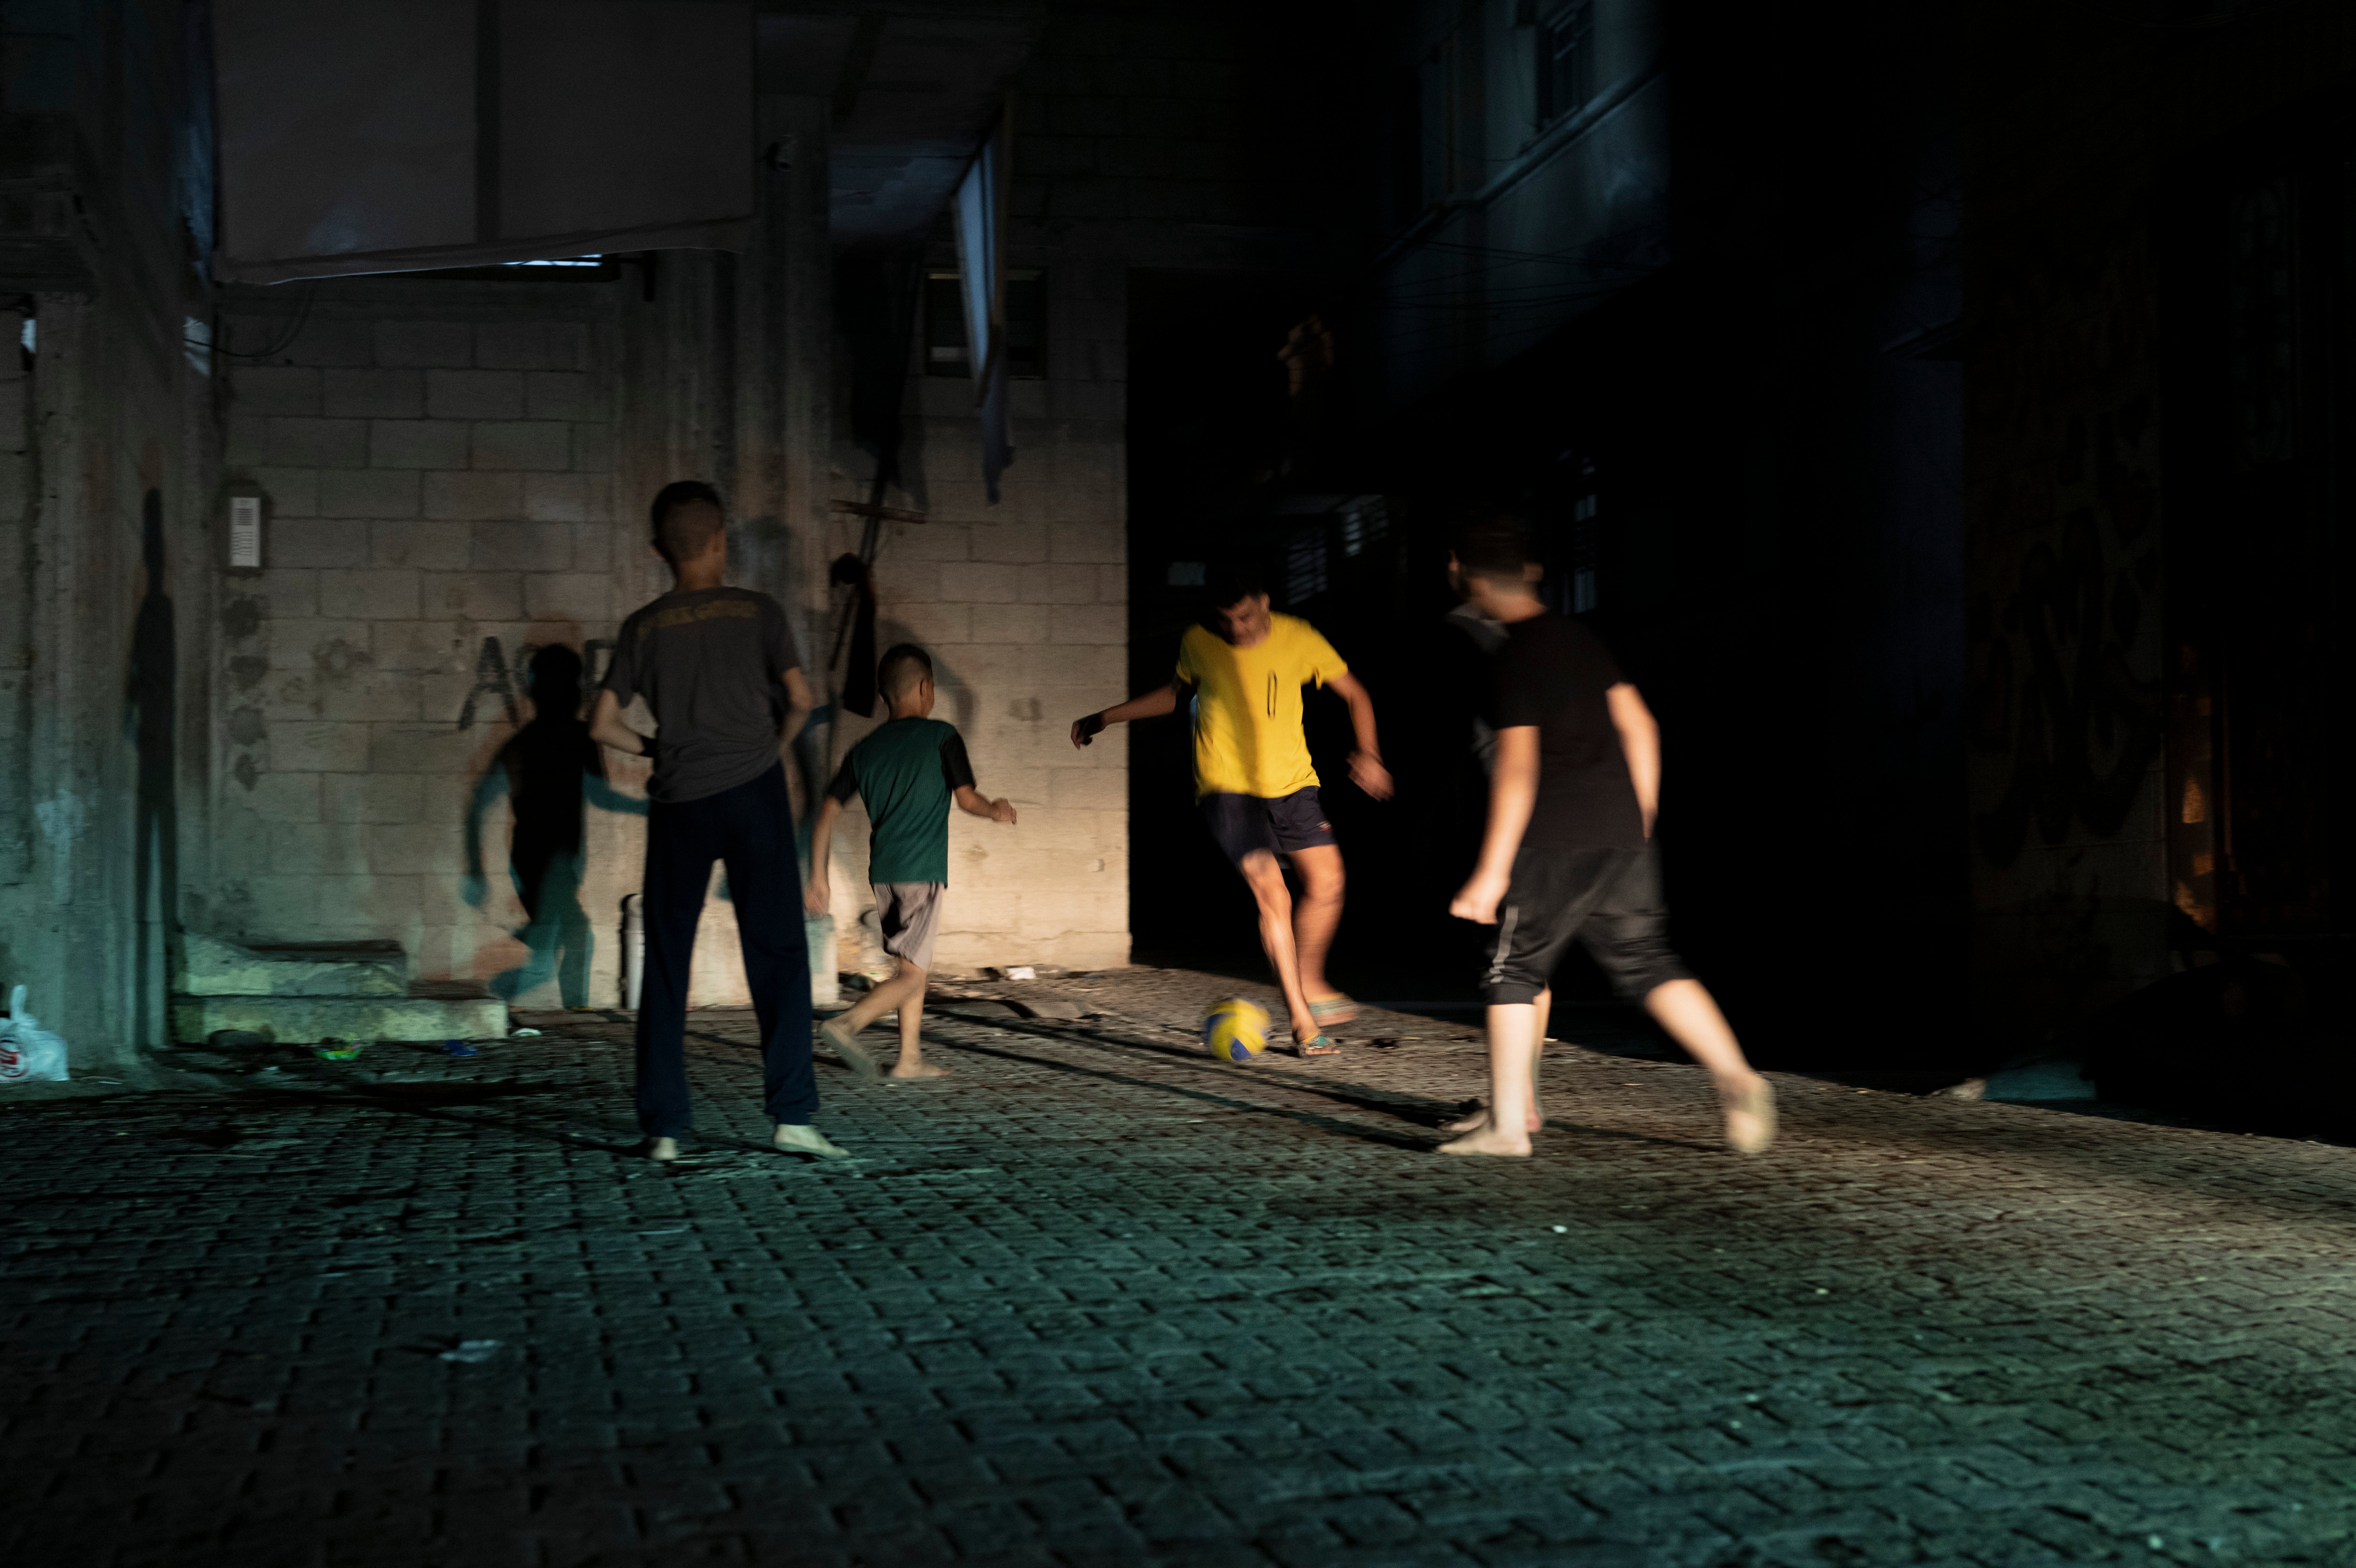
column 908, row 770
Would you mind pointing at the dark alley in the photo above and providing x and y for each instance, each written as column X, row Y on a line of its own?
column 1091, row 782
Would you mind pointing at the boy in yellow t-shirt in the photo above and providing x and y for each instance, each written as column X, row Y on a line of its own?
column 1246, row 667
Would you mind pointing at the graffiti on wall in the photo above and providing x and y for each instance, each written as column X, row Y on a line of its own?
column 2068, row 714
column 495, row 679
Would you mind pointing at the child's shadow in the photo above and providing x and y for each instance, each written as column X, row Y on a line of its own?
column 551, row 771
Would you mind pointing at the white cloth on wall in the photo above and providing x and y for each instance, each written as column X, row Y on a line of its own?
column 403, row 135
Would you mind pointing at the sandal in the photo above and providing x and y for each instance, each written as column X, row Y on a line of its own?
column 1336, row 1008
column 1316, row 1045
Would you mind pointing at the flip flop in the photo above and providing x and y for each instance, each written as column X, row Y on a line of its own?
column 1336, row 1008
column 854, row 1055
column 1316, row 1045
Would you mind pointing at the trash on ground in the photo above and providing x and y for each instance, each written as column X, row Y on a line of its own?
column 1021, row 972
column 29, row 1052
column 1562, row 1230
column 459, row 1048
column 471, row 1352
column 334, row 1050
column 521, row 1034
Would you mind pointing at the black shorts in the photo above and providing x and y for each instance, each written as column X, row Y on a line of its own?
column 1280, row 824
column 1608, row 899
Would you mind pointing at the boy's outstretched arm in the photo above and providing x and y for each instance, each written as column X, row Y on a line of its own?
column 1366, row 770
column 973, row 802
column 1152, row 705
column 488, row 788
column 819, row 897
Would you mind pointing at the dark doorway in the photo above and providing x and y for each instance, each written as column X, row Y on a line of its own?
column 2260, row 645
column 1208, row 428
column 1230, row 455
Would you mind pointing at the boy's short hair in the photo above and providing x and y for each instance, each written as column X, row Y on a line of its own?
column 902, row 667
column 1230, row 582
column 682, row 528
column 1496, row 546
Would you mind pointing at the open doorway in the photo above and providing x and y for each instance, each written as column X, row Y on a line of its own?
column 1207, row 427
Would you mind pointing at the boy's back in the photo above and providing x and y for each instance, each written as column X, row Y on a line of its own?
column 908, row 770
column 911, row 770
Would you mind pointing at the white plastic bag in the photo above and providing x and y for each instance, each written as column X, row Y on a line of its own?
column 28, row 1051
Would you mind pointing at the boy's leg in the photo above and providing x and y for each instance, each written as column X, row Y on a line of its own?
column 1244, row 827
column 912, row 926
column 1513, row 1043
column 679, row 851
column 1689, row 1013
column 1480, row 1118
column 1629, row 936
column 764, row 878
column 1546, row 904
column 912, row 1062
column 1317, row 914
column 884, row 997
column 909, row 913
column 1265, row 878
column 1297, row 823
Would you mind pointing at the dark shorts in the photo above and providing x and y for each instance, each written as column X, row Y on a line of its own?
column 1282, row 824
column 1607, row 900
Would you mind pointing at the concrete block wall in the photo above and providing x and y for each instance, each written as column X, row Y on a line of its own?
column 1025, row 621
column 1024, row 606
column 438, row 475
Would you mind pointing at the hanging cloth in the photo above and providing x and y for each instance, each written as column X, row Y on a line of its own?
column 859, row 677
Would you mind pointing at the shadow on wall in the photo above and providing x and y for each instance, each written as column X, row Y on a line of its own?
column 551, row 771
column 149, row 687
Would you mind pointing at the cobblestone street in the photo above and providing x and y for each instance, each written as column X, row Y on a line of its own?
column 1097, row 1299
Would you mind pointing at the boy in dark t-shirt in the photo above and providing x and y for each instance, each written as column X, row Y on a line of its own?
column 907, row 770
column 1569, row 855
column 718, row 670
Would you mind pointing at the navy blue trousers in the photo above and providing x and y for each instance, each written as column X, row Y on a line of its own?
column 750, row 829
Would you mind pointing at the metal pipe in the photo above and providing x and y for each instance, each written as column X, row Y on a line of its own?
column 634, row 949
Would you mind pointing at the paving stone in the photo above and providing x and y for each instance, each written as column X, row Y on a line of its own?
column 1100, row 1299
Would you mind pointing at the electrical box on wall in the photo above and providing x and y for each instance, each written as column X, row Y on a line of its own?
column 245, row 532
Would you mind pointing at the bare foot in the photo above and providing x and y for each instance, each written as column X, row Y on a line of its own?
column 807, row 1140
column 1750, row 1114
column 919, row 1070
column 846, row 1046
column 1489, row 1141
column 663, row 1150
column 1480, row 1119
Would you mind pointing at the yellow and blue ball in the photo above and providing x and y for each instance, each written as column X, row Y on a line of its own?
column 1234, row 1030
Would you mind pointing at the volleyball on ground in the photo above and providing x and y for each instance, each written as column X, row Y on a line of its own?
column 1234, row 1030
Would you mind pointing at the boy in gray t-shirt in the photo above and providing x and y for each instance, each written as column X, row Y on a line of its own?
column 718, row 669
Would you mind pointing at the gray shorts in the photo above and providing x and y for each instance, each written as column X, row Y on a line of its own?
column 909, row 914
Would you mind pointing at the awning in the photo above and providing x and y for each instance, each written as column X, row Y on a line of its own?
column 396, row 135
